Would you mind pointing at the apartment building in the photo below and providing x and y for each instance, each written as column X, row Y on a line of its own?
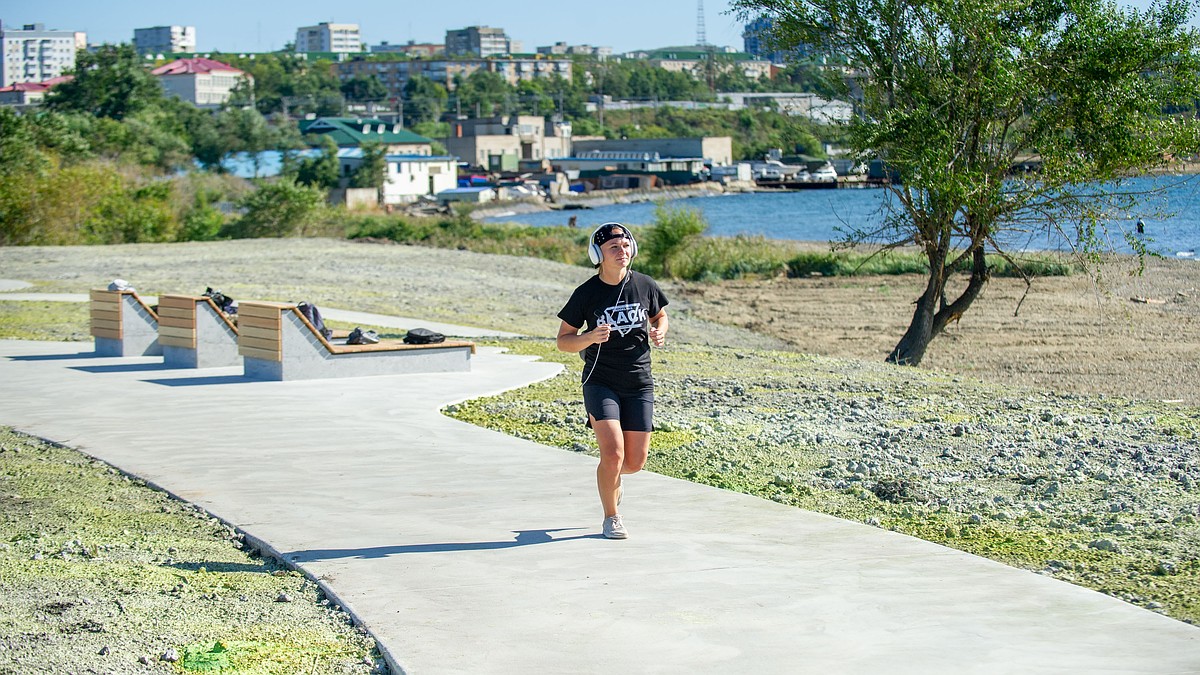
column 694, row 60
column 496, row 143
column 34, row 54
column 564, row 49
column 480, row 41
column 338, row 38
column 165, row 40
column 203, row 82
column 395, row 74
column 411, row 48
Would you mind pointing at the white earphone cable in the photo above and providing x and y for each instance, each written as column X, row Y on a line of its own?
column 596, row 359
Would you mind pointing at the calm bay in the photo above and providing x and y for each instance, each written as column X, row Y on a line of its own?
column 1172, row 217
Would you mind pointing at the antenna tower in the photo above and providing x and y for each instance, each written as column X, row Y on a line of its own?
column 701, row 39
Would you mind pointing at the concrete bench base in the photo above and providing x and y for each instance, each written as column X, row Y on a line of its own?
column 195, row 334
column 123, row 325
column 277, row 343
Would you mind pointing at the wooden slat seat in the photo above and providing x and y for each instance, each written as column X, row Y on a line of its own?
column 277, row 342
column 195, row 333
column 122, row 324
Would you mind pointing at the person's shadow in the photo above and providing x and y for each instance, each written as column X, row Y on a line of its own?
column 522, row 538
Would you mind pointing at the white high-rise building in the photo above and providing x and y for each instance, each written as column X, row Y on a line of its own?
column 481, row 41
column 34, row 54
column 165, row 39
column 341, row 38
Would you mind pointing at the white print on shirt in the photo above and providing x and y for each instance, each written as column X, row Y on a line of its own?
column 624, row 317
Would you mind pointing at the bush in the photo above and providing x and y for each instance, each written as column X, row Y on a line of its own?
column 672, row 229
column 277, row 209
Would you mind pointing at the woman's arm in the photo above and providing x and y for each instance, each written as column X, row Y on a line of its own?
column 571, row 340
column 658, row 328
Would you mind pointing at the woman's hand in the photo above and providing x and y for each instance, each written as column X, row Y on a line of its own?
column 658, row 336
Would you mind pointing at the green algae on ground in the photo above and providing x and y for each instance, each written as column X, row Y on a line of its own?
column 94, row 561
column 755, row 422
column 57, row 321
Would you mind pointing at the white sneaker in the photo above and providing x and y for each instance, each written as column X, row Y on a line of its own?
column 614, row 528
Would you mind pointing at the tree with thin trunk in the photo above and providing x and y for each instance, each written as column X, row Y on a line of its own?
column 953, row 94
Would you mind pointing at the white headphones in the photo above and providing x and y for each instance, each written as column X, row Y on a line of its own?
column 594, row 252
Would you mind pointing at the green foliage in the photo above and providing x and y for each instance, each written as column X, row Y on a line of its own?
column 753, row 132
column 364, row 88
column 424, row 102
column 111, row 81
column 673, row 228
column 373, row 169
column 132, row 214
column 277, row 208
column 484, row 93
column 321, row 171
column 951, row 94
column 286, row 82
column 562, row 244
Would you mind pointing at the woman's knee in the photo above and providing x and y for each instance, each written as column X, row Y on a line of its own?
column 633, row 464
column 637, row 448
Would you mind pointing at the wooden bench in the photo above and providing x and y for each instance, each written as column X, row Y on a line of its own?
column 195, row 333
column 122, row 324
column 277, row 342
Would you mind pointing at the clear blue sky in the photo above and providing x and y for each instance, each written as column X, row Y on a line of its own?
column 229, row 25
column 226, row 25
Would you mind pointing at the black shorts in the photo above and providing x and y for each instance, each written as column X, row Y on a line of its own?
column 635, row 409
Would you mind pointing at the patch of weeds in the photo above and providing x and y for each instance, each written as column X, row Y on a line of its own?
column 54, row 321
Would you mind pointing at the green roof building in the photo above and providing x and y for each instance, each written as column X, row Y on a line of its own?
column 354, row 132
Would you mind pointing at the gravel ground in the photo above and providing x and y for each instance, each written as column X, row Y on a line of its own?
column 521, row 295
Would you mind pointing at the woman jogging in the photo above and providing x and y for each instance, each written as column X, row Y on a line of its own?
column 621, row 313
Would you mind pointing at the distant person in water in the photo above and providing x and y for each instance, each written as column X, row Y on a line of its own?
column 1141, row 226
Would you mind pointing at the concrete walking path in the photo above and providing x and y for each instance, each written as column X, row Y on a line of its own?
column 467, row 551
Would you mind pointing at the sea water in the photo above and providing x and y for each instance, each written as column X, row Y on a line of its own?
column 1171, row 216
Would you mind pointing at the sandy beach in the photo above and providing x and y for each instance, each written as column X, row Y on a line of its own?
column 1127, row 335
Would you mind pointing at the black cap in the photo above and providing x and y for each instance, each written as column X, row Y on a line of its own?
column 610, row 231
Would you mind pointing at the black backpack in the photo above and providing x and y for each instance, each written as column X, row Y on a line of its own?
column 222, row 301
column 358, row 336
column 313, row 315
column 423, row 336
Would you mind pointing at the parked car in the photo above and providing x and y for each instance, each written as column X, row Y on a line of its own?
column 825, row 173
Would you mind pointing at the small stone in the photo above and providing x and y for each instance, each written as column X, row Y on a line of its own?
column 170, row 656
column 104, row 651
column 283, row 597
column 144, row 660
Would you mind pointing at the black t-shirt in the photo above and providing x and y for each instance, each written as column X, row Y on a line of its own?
column 627, row 307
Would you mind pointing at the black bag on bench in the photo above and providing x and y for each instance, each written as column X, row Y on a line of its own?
column 313, row 315
column 423, row 336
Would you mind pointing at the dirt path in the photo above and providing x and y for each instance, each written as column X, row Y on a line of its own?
column 1070, row 334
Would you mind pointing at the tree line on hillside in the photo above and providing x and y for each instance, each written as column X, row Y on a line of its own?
column 109, row 158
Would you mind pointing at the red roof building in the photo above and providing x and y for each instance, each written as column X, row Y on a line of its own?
column 29, row 93
column 204, row 82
